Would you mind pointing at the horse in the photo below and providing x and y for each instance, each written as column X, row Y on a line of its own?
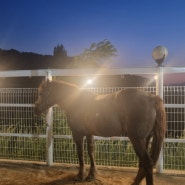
column 138, row 113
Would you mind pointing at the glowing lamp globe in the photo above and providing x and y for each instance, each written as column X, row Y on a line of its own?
column 159, row 54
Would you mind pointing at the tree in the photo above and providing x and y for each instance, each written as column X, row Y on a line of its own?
column 98, row 53
column 59, row 51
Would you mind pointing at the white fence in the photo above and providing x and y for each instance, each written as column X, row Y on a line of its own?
column 23, row 136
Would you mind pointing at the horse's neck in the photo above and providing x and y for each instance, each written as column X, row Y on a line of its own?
column 68, row 96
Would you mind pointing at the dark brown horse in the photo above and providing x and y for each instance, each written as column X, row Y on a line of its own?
column 138, row 113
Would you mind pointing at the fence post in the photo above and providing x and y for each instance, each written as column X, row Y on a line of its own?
column 159, row 91
column 49, row 130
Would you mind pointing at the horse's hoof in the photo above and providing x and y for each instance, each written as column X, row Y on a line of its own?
column 134, row 183
column 78, row 178
column 91, row 177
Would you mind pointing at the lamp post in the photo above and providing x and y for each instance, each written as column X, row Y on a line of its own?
column 159, row 54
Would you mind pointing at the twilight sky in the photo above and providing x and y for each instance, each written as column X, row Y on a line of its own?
column 134, row 27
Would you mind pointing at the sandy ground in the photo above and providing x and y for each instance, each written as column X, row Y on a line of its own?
column 12, row 173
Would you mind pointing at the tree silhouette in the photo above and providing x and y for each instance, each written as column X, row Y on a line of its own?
column 59, row 51
column 98, row 52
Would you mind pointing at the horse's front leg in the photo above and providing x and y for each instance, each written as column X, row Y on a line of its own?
column 90, row 147
column 78, row 139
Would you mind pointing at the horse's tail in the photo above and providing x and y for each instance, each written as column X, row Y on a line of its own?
column 159, row 130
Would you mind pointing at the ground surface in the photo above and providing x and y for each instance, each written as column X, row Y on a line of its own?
column 37, row 174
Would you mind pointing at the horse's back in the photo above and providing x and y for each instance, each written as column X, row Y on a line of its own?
column 137, row 109
column 128, row 111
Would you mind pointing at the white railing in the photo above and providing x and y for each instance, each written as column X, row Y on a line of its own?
column 48, row 74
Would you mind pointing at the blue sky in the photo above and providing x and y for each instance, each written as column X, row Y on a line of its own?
column 134, row 27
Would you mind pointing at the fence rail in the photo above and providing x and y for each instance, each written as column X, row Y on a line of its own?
column 23, row 136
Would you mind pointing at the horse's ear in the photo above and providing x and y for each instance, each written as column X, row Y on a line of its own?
column 41, row 83
column 44, row 82
column 48, row 80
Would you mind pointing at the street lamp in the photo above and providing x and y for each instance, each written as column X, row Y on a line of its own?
column 159, row 53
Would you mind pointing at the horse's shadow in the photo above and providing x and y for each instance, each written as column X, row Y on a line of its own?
column 70, row 179
column 64, row 180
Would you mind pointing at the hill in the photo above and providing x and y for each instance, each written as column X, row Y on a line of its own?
column 15, row 60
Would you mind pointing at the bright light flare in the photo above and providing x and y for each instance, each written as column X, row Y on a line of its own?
column 89, row 81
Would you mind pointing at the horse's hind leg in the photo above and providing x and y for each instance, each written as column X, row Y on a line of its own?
column 145, row 162
column 141, row 172
column 140, row 175
column 78, row 139
column 90, row 147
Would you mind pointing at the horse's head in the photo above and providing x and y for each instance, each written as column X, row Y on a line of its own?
column 45, row 98
column 56, row 92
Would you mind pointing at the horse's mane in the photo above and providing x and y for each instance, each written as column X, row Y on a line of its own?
column 67, row 88
column 44, row 83
column 66, row 83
